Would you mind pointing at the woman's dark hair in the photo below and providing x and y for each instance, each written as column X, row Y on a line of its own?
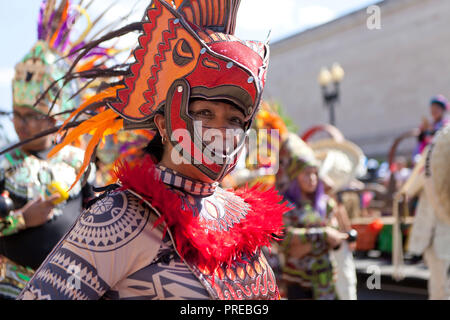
column 155, row 147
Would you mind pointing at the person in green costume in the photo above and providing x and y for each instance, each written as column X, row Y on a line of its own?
column 307, row 270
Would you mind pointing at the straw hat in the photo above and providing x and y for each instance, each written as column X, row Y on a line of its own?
column 341, row 161
column 438, row 175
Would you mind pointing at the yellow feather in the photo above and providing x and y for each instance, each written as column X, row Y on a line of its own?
column 88, row 28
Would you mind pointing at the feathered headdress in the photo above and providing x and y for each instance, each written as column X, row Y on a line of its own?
column 187, row 50
column 39, row 80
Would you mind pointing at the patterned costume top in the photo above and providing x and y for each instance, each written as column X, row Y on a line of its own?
column 25, row 177
column 220, row 241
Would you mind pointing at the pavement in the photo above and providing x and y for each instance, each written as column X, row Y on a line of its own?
column 375, row 278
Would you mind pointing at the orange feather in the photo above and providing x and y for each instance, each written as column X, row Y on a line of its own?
column 177, row 3
column 108, row 93
column 100, row 125
column 88, row 153
column 63, row 18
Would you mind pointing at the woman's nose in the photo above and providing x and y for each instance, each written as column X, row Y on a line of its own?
column 218, row 123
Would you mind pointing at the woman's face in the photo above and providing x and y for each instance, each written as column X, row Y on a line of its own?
column 437, row 112
column 209, row 114
column 29, row 123
column 220, row 117
column 308, row 180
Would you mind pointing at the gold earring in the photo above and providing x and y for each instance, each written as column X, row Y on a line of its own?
column 164, row 139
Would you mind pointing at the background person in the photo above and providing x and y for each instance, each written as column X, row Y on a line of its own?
column 42, row 210
column 308, row 271
column 438, row 108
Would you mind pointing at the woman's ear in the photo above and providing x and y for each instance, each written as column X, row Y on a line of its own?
column 160, row 123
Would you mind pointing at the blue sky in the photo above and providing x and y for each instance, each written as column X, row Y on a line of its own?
column 255, row 19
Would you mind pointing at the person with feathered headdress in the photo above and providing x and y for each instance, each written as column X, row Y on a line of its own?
column 41, row 209
column 166, row 230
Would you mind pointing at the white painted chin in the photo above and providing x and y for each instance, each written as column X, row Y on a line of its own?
column 220, row 151
column 224, row 152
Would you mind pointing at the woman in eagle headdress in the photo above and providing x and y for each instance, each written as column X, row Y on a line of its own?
column 167, row 230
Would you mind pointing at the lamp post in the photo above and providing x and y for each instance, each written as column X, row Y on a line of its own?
column 331, row 95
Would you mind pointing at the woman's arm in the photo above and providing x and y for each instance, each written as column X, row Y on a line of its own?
column 317, row 239
column 35, row 213
column 301, row 241
column 109, row 241
column 12, row 223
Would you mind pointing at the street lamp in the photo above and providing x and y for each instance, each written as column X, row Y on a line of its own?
column 331, row 95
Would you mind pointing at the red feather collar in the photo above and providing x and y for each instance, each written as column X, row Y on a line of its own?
column 194, row 242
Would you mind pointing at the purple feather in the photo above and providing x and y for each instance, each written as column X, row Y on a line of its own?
column 40, row 27
column 71, row 19
column 61, row 34
column 47, row 28
column 78, row 46
column 97, row 51
column 66, row 42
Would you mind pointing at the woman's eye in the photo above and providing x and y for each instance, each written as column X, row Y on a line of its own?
column 204, row 113
column 237, row 121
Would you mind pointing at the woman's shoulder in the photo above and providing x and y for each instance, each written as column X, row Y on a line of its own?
column 116, row 231
column 112, row 221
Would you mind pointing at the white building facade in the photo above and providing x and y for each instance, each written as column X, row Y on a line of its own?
column 390, row 73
